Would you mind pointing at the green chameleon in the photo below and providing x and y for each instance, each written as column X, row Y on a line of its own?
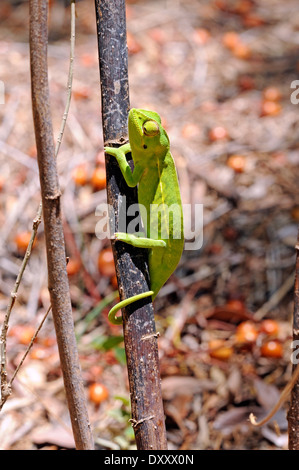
column 158, row 193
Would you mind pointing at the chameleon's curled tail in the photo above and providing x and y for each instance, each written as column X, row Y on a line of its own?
column 118, row 320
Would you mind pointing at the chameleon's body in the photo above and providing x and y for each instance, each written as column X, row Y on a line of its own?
column 155, row 173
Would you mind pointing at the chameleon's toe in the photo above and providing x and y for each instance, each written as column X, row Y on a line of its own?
column 120, row 236
column 108, row 150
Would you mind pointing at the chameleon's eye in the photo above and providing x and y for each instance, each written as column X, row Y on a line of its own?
column 150, row 128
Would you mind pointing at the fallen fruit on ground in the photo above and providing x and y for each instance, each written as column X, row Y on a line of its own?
column 97, row 393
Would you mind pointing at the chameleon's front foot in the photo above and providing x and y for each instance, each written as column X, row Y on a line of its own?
column 118, row 151
column 127, row 237
column 138, row 240
column 111, row 151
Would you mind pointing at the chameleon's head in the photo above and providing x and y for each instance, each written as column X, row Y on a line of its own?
column 146, row 133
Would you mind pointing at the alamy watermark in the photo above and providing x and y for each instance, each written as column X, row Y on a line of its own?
column 295, row 353
column 164, row 222
column 295, row 94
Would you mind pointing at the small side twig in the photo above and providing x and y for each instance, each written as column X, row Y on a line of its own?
column 293, row 384
column 276, row 298
column 69, row 80
column 5, row 388
column 283, row 397
column 29, row 346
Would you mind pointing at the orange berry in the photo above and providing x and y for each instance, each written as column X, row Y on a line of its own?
column 272, row 348
column 246, row 332
column 201, row 36
column 218, row 133
column 73, row 266
column 97, row 393
column 270, row 108
column 26, row 335
column 231, row 40
column 242, row 51
column 237, row 163
column 190, row 130
column 269, row 327
column 106, row 262
column 271, row 93
column 80, row 175
column 98, row 179
column 23, row 333
column 22, row 241
column 219, row 350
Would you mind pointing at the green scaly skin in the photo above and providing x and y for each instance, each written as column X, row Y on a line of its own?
column 155, row 173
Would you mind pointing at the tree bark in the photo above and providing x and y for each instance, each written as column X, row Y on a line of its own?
column 293, row 414
column 140, row 335
column 57, row 274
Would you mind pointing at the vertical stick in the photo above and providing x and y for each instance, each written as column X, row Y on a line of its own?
column 293, row 414
column 131, row 263
column 57, row 275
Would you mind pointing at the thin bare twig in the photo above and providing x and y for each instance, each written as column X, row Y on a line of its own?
column 55, row 245
column 292, row 385
column 5, row 387
column 276, row 298
column 69, row 80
